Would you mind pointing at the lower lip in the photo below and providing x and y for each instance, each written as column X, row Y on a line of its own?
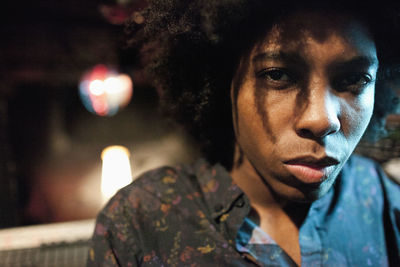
column 306, row 173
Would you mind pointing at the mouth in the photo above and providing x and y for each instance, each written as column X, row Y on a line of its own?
column 311, row 170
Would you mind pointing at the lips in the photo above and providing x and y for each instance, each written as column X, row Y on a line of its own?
column 310, row 169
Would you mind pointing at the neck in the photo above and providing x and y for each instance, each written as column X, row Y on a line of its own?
column 262, row 197
column 279, row 218
column 252, row 184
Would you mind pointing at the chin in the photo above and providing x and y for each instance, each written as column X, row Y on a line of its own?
column 313, row 194
column 306, row 194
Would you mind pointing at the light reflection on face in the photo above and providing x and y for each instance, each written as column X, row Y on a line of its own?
column 306, row 99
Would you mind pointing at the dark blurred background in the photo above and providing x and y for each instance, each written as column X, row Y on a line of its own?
column 51, row 168
column 50, row 145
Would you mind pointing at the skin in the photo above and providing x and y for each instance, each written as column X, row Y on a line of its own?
column 307, row 91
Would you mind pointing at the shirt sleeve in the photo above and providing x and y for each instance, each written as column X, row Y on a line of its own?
column 113, row 242
column 101, row 251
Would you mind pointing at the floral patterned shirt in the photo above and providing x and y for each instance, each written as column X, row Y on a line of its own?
column 190, row 215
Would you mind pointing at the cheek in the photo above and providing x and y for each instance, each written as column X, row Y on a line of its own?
column 263, row 114
column 250, row 121
column 358, row 113
column 248, row 124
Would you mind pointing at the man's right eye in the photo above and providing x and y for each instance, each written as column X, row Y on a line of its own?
column 276, row 76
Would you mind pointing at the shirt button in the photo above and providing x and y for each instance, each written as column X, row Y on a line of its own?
column 218, row 207
column 239, row 203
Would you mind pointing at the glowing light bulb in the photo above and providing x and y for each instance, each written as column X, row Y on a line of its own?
column 116, row 170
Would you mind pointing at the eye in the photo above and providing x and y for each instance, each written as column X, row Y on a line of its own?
column 353, row 82
column 357, row 79
column 276, row 77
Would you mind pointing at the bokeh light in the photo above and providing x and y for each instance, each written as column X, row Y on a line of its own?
column 116, row 170
column 103, row 91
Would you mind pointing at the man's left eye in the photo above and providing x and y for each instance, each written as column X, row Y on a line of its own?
column 355, row 79
column 352, row 82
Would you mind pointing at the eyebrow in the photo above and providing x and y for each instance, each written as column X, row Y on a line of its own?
column 356, row 62
column 278, row 55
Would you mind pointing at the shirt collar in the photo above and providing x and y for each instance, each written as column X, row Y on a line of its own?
column 218, row 188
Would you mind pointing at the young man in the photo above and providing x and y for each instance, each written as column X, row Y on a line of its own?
column 279, row 95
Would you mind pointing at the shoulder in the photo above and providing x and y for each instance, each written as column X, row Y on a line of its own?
column 139, row 211
column 150, row 190
column 365, row 177
column 369, row 169
column 364, row 170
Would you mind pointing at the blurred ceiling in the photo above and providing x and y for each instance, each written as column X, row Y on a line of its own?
column 53, row 42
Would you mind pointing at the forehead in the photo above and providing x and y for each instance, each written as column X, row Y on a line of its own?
column 299, row 32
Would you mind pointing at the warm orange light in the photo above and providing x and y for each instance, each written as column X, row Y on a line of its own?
column 116, row 170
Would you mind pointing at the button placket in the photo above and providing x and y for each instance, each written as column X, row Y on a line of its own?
column 218, row 207
column 240, row 203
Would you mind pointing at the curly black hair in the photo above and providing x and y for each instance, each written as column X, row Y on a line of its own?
column 192, row 49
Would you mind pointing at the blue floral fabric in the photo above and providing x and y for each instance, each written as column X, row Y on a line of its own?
column 194, row 215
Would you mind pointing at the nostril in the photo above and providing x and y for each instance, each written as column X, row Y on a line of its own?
column 305, row 133
column 319, row 130
column 316, row 129
column 319, row 118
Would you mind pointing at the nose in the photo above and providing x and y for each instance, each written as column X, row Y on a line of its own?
column 319, row 114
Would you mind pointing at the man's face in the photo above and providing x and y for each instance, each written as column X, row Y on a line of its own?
column 304, row 99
